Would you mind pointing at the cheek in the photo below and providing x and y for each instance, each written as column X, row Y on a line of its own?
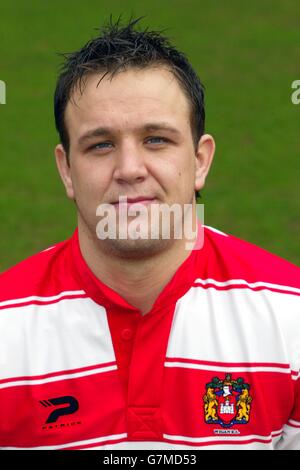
column 186, row 172
column 174, row 174
column 90, row 178
column 88, row 192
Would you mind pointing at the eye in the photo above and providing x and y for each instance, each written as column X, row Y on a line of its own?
column 100, row 145
column 162, row 139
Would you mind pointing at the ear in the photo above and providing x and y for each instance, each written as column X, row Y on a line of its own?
column 64, row 170
column 204, row 157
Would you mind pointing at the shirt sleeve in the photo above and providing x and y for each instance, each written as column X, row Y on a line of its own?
column 290, row 439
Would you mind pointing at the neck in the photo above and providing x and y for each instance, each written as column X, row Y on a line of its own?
column 138, row 281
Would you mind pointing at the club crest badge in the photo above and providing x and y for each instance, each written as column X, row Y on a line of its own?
column 227, row 401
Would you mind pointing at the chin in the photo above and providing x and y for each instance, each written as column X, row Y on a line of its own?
column 135, row 249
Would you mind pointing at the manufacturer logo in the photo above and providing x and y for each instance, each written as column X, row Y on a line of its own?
column 71, row 406
column 227, row 402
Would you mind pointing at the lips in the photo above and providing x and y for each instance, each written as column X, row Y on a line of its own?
column 140, row 199
column 135, row 200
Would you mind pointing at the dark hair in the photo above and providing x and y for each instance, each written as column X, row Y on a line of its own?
column 120, row 47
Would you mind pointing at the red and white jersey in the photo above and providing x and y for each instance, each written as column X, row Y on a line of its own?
column 213, row 365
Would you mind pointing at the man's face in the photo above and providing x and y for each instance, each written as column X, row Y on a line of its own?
column 131, row 136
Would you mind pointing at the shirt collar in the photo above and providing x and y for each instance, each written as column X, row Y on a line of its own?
column 178, row 285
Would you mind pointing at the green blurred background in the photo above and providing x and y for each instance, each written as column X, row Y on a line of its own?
column 246, row 53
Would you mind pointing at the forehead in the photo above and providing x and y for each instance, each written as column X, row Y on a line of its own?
column 127, row 100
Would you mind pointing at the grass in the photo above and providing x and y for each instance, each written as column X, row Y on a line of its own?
column 247, row 55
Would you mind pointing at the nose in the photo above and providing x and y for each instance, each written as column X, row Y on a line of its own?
column 130, row 164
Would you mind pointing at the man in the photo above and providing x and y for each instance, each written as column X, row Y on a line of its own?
column 142, row 342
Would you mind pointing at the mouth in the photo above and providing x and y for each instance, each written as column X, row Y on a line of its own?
column 124, row 201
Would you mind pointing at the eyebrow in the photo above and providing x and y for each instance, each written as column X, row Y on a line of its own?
column 149, row 127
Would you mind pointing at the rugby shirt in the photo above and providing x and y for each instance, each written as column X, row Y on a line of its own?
column 213, row 365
